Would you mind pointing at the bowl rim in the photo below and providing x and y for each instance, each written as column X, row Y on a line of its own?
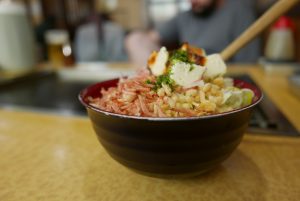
column 123, row 116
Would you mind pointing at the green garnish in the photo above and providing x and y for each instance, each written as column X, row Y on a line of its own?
column 163, row 79
column 149, row 82
column 191, row 68
column 179, row 56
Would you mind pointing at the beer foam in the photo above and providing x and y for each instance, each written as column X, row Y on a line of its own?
column 57, row 37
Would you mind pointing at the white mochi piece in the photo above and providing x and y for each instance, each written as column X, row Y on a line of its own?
column 158, row 67
column 187, row 75
column 215, row 66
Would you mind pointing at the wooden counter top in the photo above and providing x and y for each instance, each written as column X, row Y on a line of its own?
column 54, row 158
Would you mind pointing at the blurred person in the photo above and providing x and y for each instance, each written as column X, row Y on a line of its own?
column 99, row 39
column 210, row 24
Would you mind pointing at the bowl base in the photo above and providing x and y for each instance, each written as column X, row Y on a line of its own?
column 173, row 176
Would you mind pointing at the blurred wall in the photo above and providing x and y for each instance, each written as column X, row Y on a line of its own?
column 131, row 14
column 35, row 8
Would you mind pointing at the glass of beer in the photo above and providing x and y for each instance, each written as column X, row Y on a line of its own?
column 56, row 40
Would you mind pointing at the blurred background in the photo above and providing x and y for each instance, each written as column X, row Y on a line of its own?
column 124, row 17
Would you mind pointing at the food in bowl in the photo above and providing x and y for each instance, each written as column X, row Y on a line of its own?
column 183, row 145
column 180, row 83
column 169, row 147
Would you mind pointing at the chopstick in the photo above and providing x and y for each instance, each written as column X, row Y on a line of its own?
column 257, row 27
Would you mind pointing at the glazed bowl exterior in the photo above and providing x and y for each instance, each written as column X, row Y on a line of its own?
column 169, row 147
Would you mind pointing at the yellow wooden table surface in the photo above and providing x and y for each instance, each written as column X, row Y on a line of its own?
column 48, row 157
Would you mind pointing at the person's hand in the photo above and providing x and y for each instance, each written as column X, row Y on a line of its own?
column 139, row 46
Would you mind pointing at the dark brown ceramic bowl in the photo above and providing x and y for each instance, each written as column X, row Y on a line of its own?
column 169, row 147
